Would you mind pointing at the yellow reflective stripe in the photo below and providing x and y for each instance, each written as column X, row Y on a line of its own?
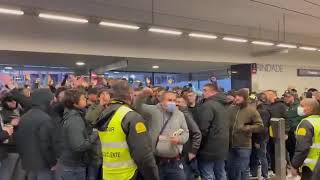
column 114, row 144
column 310, row 161
column 121, row 164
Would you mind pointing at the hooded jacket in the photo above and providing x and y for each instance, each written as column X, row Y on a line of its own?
column 140, row 146
column 34, row 137
column 213, row 122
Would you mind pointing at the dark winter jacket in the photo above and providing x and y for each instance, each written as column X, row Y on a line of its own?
column 194, row 142
column 243, row 122
column 278, row 109
column 77, row 139
column 139, row 143
column 263, row 136
column 34, row 137
column 92, row 115
column 213, row 122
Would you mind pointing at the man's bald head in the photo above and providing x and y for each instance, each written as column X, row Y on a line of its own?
column 311, row 106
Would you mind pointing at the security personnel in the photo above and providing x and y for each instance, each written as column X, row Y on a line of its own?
column 308, row 139
column 126, row 145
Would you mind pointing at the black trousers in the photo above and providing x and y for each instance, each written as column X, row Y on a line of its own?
column 306, row 174
column 291, row 144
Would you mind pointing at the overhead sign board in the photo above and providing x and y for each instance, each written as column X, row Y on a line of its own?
column 309, row 72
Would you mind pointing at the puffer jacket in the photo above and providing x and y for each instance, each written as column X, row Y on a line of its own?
column 213, row 122
column 77, row 139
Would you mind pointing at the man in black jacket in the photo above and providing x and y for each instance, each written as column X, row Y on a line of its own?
column 34, row 137
column 213, row 122
column 190, row 149
column 278, row 109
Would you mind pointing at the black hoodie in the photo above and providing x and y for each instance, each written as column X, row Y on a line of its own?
column 34, row 137
column 213, row 122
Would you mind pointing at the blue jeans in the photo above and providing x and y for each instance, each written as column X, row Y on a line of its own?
column 191, row 169
column 93, row 172
column 41, row 175
column 238, row 165
column 172, row 170
column 210, row 170
column 11, row 168
column 73, row 173
column 259, row 155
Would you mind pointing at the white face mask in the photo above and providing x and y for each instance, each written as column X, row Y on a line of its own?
column 300, row 111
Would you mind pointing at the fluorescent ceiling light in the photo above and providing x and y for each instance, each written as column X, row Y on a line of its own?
column 80, row 63
column 63, row 18
column 11, row 11
column 8, row 68
column 155, row 67
column 287, row 46
column 263, row 43
column 118, row 25
column 165, row 31
column 235, row 39
column 307, row 48
column 206, row 36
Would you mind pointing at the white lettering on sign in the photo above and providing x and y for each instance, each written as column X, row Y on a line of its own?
column 270, row 68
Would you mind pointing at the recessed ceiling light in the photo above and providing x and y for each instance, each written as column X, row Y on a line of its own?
column 11, row 11
column 263, row 43
column 206, row 36
column 63, row 18
column 155, row 67
column 165, row 31
column 307, row 48
column 287, row 46
column 235, row 39
column 80, row 63
column 118, row 25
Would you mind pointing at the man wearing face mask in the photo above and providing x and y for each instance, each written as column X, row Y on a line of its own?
column 308, row 140
column 294, row 117
column 126, row 146
column 169, row 133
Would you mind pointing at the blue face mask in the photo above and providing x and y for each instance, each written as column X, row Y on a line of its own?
column 171, row 106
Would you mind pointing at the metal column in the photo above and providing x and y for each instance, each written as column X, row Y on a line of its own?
column 278, row 133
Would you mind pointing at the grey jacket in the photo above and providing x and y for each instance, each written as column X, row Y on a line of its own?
column 156, row 121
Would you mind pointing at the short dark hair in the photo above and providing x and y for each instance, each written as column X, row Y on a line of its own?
column 103, row 90
column 71, row 97
column 120, row 90
column 212, row 86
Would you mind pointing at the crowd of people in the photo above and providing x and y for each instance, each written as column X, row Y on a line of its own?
column 114, row 131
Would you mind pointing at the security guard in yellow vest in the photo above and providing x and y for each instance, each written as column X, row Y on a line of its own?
column 126, row 145
column 308, row 139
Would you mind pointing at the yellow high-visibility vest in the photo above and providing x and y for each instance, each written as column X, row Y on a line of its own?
column 314, row 151
column 117, row 161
